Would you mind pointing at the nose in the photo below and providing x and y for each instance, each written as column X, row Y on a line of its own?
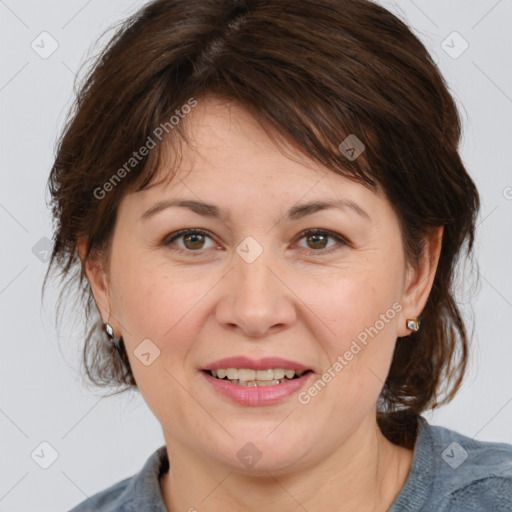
column 256, row 299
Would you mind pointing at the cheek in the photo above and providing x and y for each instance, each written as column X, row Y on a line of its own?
column 354, row 304
column 159, row 307
column 155, row 304
column 359, row 312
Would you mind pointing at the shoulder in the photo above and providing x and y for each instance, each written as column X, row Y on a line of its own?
column 470, row 474
column 451, row 472
column 138, row 492
column 110, row 499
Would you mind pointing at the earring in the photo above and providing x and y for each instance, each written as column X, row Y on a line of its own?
column 413, row 324
column 110, row 333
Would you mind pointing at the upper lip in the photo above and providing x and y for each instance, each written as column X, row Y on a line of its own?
column 264, row 363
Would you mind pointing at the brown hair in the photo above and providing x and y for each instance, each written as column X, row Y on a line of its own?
column 311, row 72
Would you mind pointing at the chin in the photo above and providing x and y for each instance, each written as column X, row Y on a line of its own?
column 253, row 454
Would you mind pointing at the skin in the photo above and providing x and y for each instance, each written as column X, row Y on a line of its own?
column 297, row 300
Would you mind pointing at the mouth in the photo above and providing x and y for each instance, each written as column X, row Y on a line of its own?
column 255, row 378
column 256, row 382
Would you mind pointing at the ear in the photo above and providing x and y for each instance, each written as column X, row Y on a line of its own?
column 419, row 280
column 98, row 280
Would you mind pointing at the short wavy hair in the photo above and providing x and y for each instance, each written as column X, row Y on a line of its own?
column 311, row 73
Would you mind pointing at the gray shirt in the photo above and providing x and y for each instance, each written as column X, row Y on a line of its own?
column 449, row 473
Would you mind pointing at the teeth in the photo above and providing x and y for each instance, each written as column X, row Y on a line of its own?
column 248, row 377
column 264, row 375
column 279, row 373
column 232, row 373
column 258, row 383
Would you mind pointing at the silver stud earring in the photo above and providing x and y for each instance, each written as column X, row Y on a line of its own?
column 110, row 333
column 413, row 324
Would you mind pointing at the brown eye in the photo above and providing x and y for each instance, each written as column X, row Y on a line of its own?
column 193, row 240
column 317, row 240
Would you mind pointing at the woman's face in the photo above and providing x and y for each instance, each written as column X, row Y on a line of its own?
column 256, row 287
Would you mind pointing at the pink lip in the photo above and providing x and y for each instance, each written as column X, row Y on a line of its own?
column 256, row 395
column 259, row 364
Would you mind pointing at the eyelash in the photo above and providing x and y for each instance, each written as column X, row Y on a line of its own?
column 178, row 234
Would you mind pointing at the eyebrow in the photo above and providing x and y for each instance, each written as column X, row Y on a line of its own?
column 294, row 213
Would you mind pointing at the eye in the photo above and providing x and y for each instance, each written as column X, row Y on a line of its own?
column 193, row 239
column 317, row 238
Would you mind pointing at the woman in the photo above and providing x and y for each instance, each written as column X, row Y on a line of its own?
column 264, row 205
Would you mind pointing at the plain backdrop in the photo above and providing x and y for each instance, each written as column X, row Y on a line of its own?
column 98, row 441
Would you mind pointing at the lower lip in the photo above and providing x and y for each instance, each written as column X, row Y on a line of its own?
column 257, row 395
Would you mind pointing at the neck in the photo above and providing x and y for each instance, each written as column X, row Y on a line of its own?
column 366, row 473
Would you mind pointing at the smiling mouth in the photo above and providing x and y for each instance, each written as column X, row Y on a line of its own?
column 250, row 377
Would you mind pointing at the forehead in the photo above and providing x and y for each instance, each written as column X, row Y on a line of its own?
column 229, row 159
column 224, row 138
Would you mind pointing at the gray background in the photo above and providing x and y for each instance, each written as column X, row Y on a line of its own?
column 100, row 441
